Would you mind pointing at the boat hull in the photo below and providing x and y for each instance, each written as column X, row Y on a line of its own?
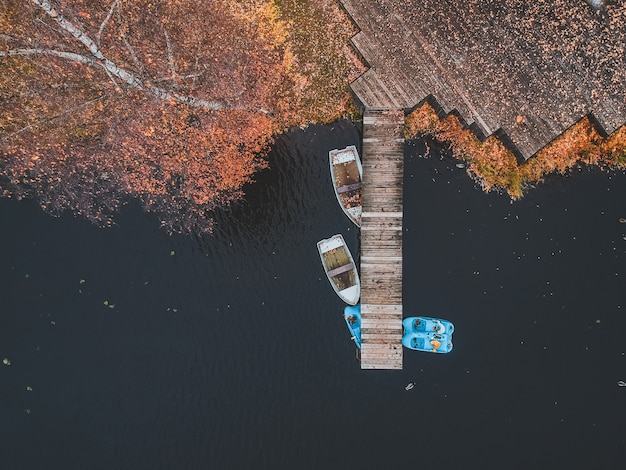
column 340, row 268
column 347, row 173
column 427, row 334
column 352, row 316
column 428, row 324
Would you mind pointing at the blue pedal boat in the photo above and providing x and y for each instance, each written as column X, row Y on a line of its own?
column 352, row 316
column 427, row 334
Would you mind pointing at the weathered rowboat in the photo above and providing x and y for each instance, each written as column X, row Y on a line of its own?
column 340, row 268
column 346, row 172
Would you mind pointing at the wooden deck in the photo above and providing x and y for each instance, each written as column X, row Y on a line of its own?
column 381, row 239
column 528, row 70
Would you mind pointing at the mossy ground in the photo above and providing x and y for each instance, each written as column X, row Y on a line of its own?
column 319, row 33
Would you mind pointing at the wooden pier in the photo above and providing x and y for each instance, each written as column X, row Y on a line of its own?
column 381, row 239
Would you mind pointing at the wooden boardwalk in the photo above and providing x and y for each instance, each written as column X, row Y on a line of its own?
column 381, row 239
column 524, row 70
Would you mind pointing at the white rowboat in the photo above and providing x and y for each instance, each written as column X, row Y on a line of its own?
column 346, row 172
column 340, row 268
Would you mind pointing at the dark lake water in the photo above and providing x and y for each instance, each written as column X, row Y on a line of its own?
column 132, row 349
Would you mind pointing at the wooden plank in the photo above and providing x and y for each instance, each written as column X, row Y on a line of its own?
column 376, row 274
column 379, row 215
column 385, row 234
column 390, row 297
column 383, row 323
column 382, row 251
column 385, row 366
column 377, row 316
column 382, row 291
column 381, row 348
column 391, row 338
column 383, row 328
column 382, row 364
column 385, row 359
column 383, row 352
column 388, row 357
column 382, row 309
column 380, row 247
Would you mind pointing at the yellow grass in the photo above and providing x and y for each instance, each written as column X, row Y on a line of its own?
column 495, row 167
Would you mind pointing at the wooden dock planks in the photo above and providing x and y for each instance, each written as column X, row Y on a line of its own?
column 529, row 70
column 381, row 239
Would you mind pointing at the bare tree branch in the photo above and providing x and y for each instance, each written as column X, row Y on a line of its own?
column 193, row 83
column 8, row 37
column 70, row 28
column 170, row 54
column 128, row 77
column 106, row 20
column 111, row 77
column 52, row 52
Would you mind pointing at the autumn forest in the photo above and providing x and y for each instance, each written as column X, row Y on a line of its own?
column 175, row 103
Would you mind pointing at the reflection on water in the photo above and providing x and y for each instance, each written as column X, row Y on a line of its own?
column 230, row 351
